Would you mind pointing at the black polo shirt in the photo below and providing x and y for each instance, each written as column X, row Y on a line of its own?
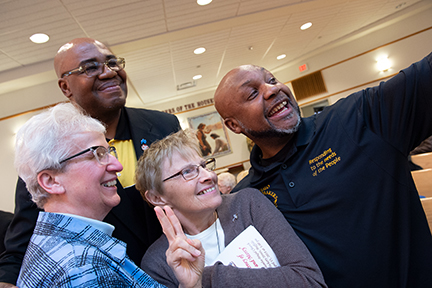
column 346, row 189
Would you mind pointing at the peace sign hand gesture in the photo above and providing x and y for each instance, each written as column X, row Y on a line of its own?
column 184, row 256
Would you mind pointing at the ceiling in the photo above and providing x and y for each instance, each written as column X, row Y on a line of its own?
column 157, row 37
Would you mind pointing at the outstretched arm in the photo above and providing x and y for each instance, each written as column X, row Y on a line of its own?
column 184, row 256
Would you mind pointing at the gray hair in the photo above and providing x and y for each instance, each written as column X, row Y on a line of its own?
column 227, row 179
column 46, row 139
column 148, row 174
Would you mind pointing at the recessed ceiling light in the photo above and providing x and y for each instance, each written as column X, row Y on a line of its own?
column 204, row 2
column 196, row 77
column 282, row 56
column 306, row 26
column 39, row 38
column 199, row 50
column 383, row 64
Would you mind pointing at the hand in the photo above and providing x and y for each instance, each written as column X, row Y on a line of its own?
column 7, row 285
column 184, row 256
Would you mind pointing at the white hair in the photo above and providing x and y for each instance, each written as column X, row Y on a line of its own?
column 45, row 140
column 227, row 179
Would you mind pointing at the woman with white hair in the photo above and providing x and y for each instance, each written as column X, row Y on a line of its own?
column 71, row 172
column 226, row 182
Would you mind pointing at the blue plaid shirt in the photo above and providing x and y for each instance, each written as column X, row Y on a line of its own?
column 66, row 251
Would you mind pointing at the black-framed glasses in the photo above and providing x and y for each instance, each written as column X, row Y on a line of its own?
column 94, row 68
column 192, row 171
column 101, row 154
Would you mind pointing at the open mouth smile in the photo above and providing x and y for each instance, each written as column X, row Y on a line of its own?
column 110, row 183
column 279, row 108
column 208, row 190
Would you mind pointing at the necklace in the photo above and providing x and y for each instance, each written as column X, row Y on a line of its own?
column 217, row 235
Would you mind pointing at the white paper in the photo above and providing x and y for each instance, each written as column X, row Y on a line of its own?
column 249, row 250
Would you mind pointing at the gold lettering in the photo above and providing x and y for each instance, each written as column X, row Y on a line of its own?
column 325, row 160
column 270, row 193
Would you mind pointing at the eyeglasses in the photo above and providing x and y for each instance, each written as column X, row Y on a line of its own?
column 192, row 171
column 100, row 153
column 95, row 68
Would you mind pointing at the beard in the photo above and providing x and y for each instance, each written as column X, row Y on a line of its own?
column 274, row 132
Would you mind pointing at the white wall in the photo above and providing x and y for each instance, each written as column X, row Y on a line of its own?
column 8, row 129
column 362, row 69
column 354, row 72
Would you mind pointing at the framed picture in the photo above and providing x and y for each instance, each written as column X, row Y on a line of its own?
column 211, row 134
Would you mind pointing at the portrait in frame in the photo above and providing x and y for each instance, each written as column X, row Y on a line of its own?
column 211, row 134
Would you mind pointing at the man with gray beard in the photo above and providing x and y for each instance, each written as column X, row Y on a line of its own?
column 341, row 177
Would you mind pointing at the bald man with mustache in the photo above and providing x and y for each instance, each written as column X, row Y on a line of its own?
column 341, row 177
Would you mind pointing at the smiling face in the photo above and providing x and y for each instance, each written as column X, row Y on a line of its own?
column 97, row 95
column 194, row 199
column 253, row 102
column 89, row 187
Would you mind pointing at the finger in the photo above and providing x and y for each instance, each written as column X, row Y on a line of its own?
column 174, row 222
column 180, row 255
column 195, row 243
column 165, row 222
column 181, row 249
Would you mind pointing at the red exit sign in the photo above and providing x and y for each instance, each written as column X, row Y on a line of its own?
column 303, row 67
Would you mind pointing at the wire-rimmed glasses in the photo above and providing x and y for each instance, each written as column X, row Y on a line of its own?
column 94, row 68
column 192, row 171
column 101, row 154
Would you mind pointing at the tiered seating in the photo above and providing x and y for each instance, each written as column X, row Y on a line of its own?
column 424, row 160
column 423, row 181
